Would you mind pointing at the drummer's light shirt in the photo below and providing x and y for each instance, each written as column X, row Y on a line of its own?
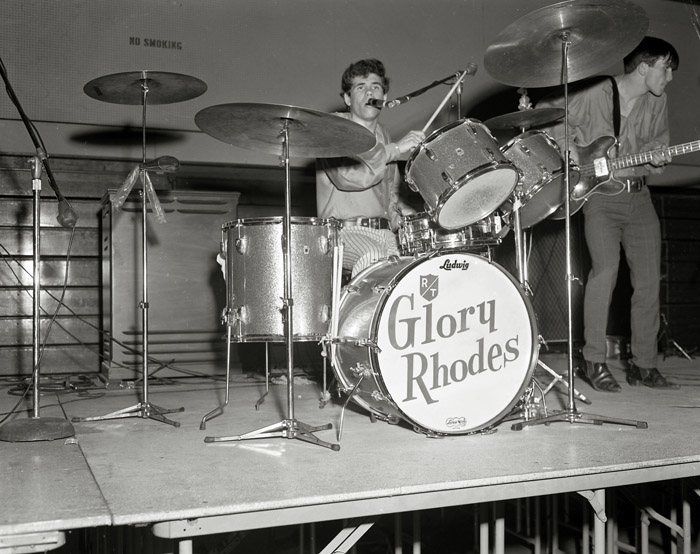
column 364, row 185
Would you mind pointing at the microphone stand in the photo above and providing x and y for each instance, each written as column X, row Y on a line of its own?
column 471, row 69
column 37, row 428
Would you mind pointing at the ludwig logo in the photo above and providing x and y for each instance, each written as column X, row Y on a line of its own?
column 429, row 286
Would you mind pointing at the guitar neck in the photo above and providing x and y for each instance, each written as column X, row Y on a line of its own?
column 646, row 157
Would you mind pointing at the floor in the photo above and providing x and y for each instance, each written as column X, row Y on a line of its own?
column 119, row 476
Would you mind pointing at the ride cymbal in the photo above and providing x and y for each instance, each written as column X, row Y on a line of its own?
column 525, row 118
column 312, row 134
column 529, row 52
column 161, row 88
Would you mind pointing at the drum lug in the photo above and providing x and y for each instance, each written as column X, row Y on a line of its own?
column 448, row 179
column 242, row 245
column 323, row 245
column 379, row 397
column 431, row 155
column 369, row 343
column 378, row 289
column 490, row 154
column 361, row 370
column 428, row 433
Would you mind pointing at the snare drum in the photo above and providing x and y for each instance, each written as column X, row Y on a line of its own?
column 418, row 234
column 542, row 185
column 447, row 343
column 255, row 277
column 461, row 174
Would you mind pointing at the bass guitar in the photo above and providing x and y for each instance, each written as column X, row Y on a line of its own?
column 598, row 166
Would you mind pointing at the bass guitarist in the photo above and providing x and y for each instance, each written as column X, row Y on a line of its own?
column 631, row 107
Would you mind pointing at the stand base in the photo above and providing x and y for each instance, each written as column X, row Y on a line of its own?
column 36, row 429
column 559, row 379
column 144, row 410
column 288, row 429
column 572, row 416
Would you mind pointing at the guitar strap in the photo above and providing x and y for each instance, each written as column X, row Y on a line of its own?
column 616, row 106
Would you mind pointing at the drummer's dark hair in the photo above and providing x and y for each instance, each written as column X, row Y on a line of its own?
column 650, row 50
column 363, row 68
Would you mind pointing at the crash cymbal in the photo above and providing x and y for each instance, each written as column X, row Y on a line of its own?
column 525, row 118
column 312, row 134
column 162, row 88
column 528, row 53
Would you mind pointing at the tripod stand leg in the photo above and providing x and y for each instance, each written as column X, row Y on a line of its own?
column 578, row 417
column 666, row 332
column 559, row 379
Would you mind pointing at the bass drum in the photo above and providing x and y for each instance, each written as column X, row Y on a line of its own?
column 447, row 343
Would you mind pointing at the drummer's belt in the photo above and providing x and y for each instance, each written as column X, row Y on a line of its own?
column 371, row 222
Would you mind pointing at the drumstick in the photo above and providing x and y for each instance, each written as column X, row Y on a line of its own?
column 430, row 122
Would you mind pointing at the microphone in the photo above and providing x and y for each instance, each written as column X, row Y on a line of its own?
column 167, row 164
column 379, row 104
column 471, row 68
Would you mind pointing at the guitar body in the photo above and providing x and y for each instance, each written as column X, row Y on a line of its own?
column 601, row 149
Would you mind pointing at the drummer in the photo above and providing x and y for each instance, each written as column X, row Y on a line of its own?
column 362, row 191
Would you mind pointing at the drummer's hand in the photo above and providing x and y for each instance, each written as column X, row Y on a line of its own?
column 410, row 141
column 404, row 209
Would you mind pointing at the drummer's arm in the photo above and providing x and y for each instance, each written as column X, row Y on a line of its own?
column 359, row 172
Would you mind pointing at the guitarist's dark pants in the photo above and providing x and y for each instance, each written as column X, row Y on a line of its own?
column 628, row 219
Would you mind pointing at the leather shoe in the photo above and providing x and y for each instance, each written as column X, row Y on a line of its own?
column 600, row 378
column 649, row 377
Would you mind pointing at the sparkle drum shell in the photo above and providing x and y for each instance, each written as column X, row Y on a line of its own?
column 447, row 343
column 255, row 277
column 419, row 235
column 542, row 184
column 461, row 174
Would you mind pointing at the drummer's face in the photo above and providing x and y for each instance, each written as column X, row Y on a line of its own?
column 364, row 89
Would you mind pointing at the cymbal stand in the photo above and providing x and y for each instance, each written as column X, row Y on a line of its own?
column 290, row 427
column 521, row 264
column 144, row 409
column 571, row 414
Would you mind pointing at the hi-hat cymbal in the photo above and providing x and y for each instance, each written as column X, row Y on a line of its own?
column 525, row 118
column 161, row 88
column 529, row 52
column 260, row 127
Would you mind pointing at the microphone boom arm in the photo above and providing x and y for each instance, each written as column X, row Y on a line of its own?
column 471, row 69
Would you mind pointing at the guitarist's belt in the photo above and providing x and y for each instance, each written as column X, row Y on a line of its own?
column 632, row 184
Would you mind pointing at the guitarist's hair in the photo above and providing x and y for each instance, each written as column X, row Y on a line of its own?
column 650, row 50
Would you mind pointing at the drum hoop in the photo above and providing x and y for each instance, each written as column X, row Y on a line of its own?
column 476, row 172
column 274, row 220
column 432, row 136
column 376, row 317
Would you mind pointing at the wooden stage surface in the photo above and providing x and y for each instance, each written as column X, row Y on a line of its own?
column 141, row 471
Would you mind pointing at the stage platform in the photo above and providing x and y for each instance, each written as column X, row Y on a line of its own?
column 141, row 471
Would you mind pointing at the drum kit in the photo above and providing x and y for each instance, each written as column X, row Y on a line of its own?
column 441, row 337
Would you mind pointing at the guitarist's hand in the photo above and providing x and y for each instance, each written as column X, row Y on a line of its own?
column 659, row 157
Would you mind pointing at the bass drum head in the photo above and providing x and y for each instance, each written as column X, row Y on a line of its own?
column 457, row 343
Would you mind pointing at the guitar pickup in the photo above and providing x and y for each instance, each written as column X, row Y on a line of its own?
column 600, row 167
